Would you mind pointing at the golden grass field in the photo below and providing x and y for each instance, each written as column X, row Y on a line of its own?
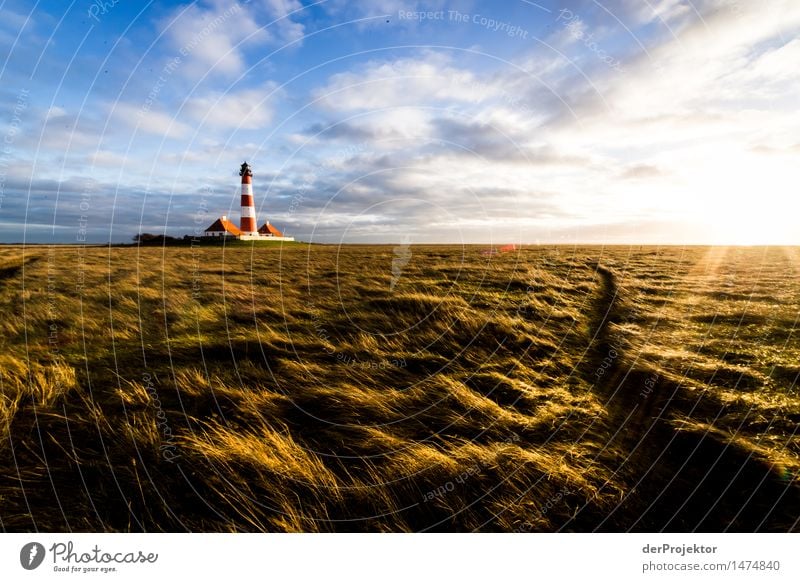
column 371, row 388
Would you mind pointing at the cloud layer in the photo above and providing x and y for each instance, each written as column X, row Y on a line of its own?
column 622, row 122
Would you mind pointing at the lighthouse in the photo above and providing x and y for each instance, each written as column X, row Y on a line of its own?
column 248, row 227
column 248, row 224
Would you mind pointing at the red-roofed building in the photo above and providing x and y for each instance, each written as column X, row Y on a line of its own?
column 223, row 227
column 268, row 230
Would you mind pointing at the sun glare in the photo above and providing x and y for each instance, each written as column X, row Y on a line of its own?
column 750, row 202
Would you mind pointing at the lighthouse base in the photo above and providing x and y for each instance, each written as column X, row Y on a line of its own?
column 257, row 236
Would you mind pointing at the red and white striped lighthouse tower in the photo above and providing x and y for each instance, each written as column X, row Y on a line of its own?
column 248, row 224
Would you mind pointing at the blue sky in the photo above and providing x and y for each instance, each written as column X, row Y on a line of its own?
column 628, row 121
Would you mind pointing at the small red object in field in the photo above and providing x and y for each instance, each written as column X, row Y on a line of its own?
column 493, row 251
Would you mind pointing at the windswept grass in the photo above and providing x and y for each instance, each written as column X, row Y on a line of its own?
column 312, row 388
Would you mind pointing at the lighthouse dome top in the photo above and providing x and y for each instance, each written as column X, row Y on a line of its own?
column 245, row 170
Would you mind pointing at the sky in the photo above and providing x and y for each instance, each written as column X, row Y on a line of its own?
column 578, row 121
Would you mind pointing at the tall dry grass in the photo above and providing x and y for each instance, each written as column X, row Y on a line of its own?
column 316, row 388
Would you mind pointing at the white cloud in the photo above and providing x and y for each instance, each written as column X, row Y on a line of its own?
column 206, row 38
column 107, row 159
column 286, row 29
column 390, row 8
column 150, row 121
column 211, row 37
column 425, row 81
column 663, row 10
column 773, row 74
column 54, row 112
column 247, row 109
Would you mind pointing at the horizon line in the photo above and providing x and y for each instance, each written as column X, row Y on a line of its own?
column 420, row 244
